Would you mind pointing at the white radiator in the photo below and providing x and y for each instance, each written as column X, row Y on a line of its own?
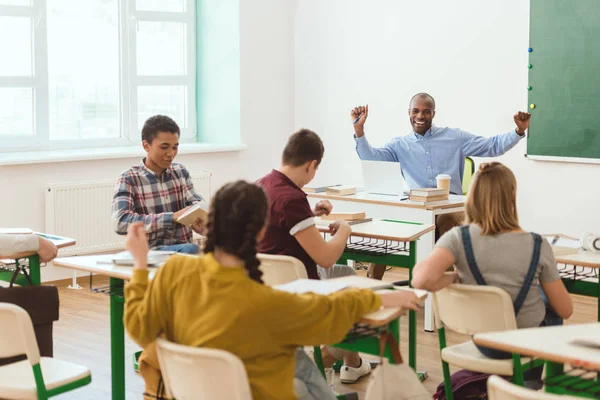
column 82, row 211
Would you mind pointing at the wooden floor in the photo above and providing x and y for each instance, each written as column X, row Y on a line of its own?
column 82, row 335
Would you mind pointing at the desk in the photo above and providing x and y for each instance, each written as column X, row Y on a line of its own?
column 391, row 207
column 391, row 243
column 20, row 275
column 556, row 349
column 584, row 281
column 118, row 274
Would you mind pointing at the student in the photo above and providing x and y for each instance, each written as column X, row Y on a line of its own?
column 291, row 228
column 218, row 300
column 430, row 150
column 11, row 244
column 502, row 253
column 158, row 191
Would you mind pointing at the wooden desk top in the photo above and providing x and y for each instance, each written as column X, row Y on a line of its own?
column 363, row 197
column 58, row 241
column 383, row 229
column 98, row 265
column 555, row 345
column 579, row 257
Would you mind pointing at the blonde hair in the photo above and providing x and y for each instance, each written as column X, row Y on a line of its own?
column 491, row 202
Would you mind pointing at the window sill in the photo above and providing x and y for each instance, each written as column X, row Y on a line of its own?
column 104, row 153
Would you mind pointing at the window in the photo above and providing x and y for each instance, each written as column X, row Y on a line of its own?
column 89, row 73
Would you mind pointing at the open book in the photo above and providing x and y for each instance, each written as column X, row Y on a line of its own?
column 198, row 210
column 155, row 258
column 329, row 286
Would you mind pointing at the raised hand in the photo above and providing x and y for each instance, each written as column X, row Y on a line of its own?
column 359, row 116
column 522, row 121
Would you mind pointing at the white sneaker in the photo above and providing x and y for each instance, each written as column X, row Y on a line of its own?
column 351, row 375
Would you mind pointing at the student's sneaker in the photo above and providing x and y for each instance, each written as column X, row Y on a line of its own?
column 351, row 375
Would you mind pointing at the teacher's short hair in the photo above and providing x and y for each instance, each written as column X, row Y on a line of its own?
column 302, row 147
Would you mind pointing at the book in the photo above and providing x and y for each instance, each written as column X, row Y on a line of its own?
column 301, row 286
column 428, row 192
column 15, row 231
column 155, row 258
column 342, row 190
column 198, row 210
column 317, row 189
column 429, row 199
column 350, row 216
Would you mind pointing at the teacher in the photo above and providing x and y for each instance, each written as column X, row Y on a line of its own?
column 430, row 150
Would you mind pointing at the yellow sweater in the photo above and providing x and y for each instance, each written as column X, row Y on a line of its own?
column 197, row 302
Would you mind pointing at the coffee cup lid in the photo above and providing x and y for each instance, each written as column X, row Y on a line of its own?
column 443, row 176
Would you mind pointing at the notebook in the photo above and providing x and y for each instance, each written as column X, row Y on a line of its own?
column 155, row 258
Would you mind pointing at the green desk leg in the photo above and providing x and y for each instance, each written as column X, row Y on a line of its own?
column 412, row 315
column 117, row 340
column 34, row 270
column 552, row 370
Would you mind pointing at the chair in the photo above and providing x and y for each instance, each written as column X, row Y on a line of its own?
column 41, row 303
column 193, row 373
column 500, row 389
column 37, row 377
column 468, row 173
column 471, row 309
column 278, row 269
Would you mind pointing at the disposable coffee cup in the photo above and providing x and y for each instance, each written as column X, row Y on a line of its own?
column 443, row 182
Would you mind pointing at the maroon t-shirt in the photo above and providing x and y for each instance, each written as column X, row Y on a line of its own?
column 288, row 208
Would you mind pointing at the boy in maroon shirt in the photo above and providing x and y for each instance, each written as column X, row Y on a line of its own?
column 291, row 228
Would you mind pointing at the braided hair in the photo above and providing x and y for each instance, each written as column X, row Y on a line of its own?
column 237, row 214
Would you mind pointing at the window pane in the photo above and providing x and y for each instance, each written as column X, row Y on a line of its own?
column 16, row 111
column 161, row 48
column 83, row 69
column 161, row 5
column 165, row 100
column 15, row 2
column 15, row 46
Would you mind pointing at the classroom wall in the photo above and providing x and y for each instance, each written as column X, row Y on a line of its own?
column 471, row 55
column 267, row 96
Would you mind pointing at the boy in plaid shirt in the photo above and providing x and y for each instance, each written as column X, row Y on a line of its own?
column 158, row 191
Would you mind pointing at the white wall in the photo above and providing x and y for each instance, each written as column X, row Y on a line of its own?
column 267, row 96
column 471, row 55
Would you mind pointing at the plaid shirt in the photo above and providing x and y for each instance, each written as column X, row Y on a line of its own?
column 142, row 196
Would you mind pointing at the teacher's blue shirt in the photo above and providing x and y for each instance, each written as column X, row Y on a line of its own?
column 439, row 151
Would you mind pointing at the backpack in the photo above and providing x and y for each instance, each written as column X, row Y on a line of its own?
column 470, row 385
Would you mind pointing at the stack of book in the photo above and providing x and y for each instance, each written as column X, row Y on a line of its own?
column 428, row 195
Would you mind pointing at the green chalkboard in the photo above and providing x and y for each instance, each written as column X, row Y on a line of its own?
column 564, row 78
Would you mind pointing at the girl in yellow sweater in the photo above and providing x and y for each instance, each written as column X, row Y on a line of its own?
column 218, row 300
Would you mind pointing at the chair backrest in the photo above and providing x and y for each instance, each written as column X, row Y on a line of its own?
column 501, row 389
column 468, row 173
column 17, row 335
column 474, row 309
column 278, row 270
column 193, row 373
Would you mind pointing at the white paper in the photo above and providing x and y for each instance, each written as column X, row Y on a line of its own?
column 15, row 231
column 301, row 286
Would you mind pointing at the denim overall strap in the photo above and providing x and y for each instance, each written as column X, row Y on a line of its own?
column 535, row 261
column 468, row 247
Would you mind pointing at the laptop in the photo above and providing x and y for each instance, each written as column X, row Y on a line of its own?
column 383, row 178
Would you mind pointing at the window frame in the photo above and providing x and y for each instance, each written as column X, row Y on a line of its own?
column 129, row 80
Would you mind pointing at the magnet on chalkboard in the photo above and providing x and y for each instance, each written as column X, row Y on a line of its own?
column 529, row 66
column 530, row 50
column 528, row 87
column 532, row 106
